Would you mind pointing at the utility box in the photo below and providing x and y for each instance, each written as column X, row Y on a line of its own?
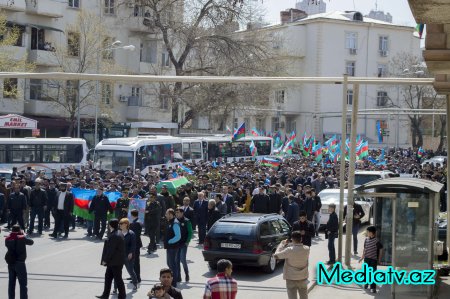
column 406, row 212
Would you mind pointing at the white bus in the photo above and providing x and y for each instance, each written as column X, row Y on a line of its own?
column 220, row 147
column 140, row 152
column 42, row 153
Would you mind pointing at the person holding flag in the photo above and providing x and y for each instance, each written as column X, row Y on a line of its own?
column 239, row 133
column 253, row 149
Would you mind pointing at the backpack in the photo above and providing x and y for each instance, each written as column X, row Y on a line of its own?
column 10, row 256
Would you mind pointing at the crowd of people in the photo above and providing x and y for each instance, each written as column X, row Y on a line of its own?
column 214, row 190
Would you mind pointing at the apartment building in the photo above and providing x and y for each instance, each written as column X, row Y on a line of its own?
column 124, row 109
column 328, row 45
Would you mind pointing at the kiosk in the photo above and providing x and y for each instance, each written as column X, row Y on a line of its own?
column 406, row 212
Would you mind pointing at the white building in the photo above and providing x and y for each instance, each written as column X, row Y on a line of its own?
column 311, row 8
column 133, row 108
column 327, row 45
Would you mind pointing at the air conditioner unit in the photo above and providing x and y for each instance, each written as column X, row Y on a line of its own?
column 352, row 51
column 123, row 99
column 384, row 53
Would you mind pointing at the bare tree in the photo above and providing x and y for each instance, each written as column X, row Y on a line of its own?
column 413, row 96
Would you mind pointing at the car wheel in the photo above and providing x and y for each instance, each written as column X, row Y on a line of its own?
column 212, row 265
column 271, row 264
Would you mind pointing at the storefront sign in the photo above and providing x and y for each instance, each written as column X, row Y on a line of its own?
column 13, row 121
column 36, row 133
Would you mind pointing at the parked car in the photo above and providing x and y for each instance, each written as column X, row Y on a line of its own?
column 246, row 239
column 7, row 174
column 329, row 196
column 435, row 161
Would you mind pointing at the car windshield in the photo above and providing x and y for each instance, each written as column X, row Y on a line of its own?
column 234, row 228
column 113, row 160
column 361, row 179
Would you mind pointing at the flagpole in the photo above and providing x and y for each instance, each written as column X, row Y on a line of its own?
column 351, row 177
column 342, row 168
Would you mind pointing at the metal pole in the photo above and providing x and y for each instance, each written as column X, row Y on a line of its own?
column 397, row 129
column 351, row 176
column 96, row 100
column 448, row 177
column 78, row 105
column 342, row 167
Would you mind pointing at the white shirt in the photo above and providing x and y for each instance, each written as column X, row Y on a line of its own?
column 62, row 197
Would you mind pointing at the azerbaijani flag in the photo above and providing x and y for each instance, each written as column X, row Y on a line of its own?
column 185, row 169
column 270, row 162
column 84, row 196
column 379, row 132
column 317, row 151
column 228, row 129
column 253, row 149
column 239, row 133
column 420, row 152
column 254, row 132
column 292, row 136
column 419, row 30
column 288, row 147
column 364, row 150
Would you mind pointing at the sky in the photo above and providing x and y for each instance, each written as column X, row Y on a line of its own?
column 399, row 9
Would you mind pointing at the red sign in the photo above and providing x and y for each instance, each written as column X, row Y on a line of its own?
column 13, row 121
column 36, row 133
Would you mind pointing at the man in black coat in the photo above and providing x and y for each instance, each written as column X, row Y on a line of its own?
column 38, row 204
column 17, row 204
column 113, row 258
column 62, row 209
column 305, row 227
column 152, row 222
column 358, row 213
column 331, row 232
column 274, row 200
column 308, row 205
column 201, row 215
column 16, row 245
column 293, row 210
column 51, row 200
column 100, row 205
column 260, row 202
column 187, row 210
column 213, row 214
column 317, row 205
column 136, row 227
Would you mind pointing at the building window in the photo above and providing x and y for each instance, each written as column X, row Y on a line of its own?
column 74, row 3
column 260, row 124
column 382, row 98
column 106, row 93
column 135, row 98
column 10, row 89
column 279, row 96
column 382, row 70
column 291, row 126
column 350, row 97
column 107, row 54
column 164, row 101
column 383, row 45
column 165, row 60
column 149, row 50
column 351, row 40
column 37, row 39
column 73, row 44
column 348, row 125
column 36, row 89
column 109, row 8
column 275, row 123
column 350, row 68
column 71, row 91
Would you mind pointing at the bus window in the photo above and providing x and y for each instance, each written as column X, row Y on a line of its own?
column 213, row 150
column 62, row 153
column 224, row 149
column 186, row 151
column 113, row 160
column 196, row 150
column 177, row 149
column 2, row 153
column 159, row 153
column 238, row 149
column 25, row 153
column 263, row 147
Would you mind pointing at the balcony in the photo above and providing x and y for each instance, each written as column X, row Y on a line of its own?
column 13, row 5
column 138, row 113
column 16, row 53
column 14, row 106
column 45, row 108
column 43, row 58
column 48, row 8
column 141, row 24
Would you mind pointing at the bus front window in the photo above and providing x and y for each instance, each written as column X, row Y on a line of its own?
column 113, row 160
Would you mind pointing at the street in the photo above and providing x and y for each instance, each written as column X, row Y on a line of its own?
column 71, row 269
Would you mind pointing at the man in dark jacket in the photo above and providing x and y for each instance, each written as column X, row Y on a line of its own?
column 186, row 236
column 228, row 199
column 130, row 250
column 316, row 204
column 38, row 204
column 17, row 204
column 136, row 227
column 293, row 210
column 112, row 258
column 305, row 227
column 100, row 205
column 358, row 213
column 152, row 222
column 51, row 201
column 63, row 209
column 201, row 215
column 260, row 202
column 308, row 205
column 331, row 232
column 16, row 245
column 274, row 200
column 213, row 214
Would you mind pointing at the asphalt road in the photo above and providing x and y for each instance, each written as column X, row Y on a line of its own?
column 71, row 269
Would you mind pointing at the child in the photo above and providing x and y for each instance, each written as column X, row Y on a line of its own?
column 372, row 253
column 158, row 292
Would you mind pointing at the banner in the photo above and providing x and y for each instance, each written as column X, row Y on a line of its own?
column 140, row 205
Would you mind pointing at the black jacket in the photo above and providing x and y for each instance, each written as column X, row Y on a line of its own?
column 17, row 202
column 188, row 212
column 260, row 204
column 100, row 205
column 136, row 227
column 114, row 249
column 130, row 243
column 38, row 198
column 308, row 227
column 16, row 243
column 152, row 214
column 357, row 211
column 175, row 293
column 213, row 216
column 68, row 202
column 317, row 203
column 274, row 203
column 333, row 223
column 52, row 198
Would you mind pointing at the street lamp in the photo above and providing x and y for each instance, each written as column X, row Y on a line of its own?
column 114, row 46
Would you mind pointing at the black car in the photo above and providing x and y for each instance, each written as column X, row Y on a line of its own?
column 246, row 239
